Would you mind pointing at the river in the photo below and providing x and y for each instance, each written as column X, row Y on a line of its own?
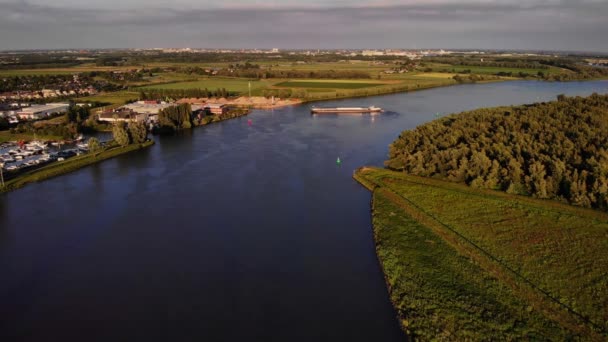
column 227, row 232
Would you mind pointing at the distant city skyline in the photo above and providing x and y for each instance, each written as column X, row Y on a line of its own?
column 577, row 25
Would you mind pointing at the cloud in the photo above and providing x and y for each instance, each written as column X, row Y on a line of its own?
column 534, row 24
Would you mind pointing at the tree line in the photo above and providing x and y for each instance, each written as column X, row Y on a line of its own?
column 556, row 150
column 327, row 74
column 498, row 63
column 73, row 123
column 40, row 61
column 155, row 94
column 473, row 78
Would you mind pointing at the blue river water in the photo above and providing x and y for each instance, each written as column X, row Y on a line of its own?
column 223, row 233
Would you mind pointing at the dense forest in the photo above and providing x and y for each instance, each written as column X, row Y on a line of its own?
column 554, row 150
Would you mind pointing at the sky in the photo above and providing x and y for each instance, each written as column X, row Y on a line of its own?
column 571, row 25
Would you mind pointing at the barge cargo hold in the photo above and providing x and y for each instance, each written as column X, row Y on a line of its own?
column 346, row 110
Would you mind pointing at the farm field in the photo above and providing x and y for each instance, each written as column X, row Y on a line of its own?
column 432, row 75
column 371, row 69
column 494, row 70
column 8, row 136
column 62, row 71
column 540, row 259
column 28, row 72
column 240, row 85
column 414, row 79
column 114, row 98
column 329, row 84
column 306, row 89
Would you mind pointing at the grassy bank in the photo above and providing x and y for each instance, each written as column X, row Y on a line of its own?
column 462, row 263
column 313, row 96
column 234, row 113
column 329, row 84
column 8, row 136
column 116, row 98
column 69, row 165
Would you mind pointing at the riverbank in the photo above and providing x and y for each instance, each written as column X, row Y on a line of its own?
column 255, row 102
column 69, row 165
column 389, row 89
column 234, row 113
column 6, row 136
column 462, row 263
column 324, row 94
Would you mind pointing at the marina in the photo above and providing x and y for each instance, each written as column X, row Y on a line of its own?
column 16, row 157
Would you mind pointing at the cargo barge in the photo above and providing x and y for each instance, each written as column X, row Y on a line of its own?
column 345, row 110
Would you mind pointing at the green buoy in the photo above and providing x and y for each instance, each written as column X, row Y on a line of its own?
column 338, row 161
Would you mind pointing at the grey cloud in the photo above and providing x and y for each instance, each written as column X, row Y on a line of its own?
column 498, row 24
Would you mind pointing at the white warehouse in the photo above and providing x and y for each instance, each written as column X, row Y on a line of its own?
column 36, row 112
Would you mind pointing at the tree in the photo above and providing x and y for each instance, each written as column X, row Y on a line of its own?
column 94, row 145
column 538, row 183
column 4, row 124
column 121, row 136
column 175, row 117
column 138, row 132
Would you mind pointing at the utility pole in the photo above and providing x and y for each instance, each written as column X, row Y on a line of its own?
column 2, row 174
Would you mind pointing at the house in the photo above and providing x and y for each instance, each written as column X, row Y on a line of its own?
column 216, row 108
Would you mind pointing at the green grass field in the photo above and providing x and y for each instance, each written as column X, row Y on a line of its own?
column 328, row 84
column 7, row 136
column 543, row 262
column 115, row 98
column 494, row 70
column 363, row 66
column 240, row 85
column 62, row 71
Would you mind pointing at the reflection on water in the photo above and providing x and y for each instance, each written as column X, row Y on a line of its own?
column 4, row 230
column 231, row 231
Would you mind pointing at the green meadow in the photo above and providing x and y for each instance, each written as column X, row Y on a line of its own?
column 328, row 84
column 494, row 70
column 463, row 263
column 240, row 85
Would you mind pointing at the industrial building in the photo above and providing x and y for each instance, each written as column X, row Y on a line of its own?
column 122, row 115
column 148, row 110
column 35, row 112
